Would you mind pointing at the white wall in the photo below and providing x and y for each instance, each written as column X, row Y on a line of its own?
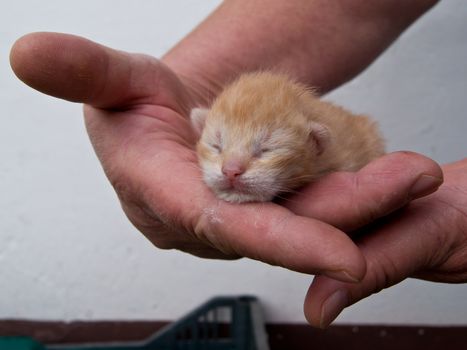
column 66, row 250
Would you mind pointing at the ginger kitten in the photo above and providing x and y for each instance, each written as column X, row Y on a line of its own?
column 266, row 134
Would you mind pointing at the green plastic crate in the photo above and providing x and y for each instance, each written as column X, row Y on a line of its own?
column 19, row 343
column 222, row 323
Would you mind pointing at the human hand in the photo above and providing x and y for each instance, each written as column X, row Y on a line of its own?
column 136, row 114
column 427, row 240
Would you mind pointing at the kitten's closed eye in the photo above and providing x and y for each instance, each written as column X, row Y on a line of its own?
column 260, row 149
column 216, row 147
column 261, row 152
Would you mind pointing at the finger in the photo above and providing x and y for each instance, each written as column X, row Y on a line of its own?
column 398, row 250
column 79, row 70
column 351, row 200
column 164, row 236
column 270, row 233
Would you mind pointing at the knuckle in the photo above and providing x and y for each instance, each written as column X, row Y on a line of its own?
column 382, row 272
column 366, row 208
column 206, row 228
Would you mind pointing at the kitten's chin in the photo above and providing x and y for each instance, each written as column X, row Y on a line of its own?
column 242, row 197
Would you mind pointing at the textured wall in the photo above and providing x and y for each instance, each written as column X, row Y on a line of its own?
column 66, row 250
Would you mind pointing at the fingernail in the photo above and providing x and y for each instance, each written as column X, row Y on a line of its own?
column 343, row 276
column 424, row 185
column 332, row 307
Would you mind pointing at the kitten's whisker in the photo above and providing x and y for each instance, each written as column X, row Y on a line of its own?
column 290, row 190
column 302, row 177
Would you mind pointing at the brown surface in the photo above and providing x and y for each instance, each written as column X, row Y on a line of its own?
column 281, row 336
column 288, row 337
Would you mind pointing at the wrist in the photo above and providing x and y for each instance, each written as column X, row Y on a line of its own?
column 319, row 43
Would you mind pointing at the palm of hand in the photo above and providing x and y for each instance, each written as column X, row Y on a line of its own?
column 146, row 147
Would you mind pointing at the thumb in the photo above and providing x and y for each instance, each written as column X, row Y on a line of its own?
column 401, row 247
column 79, row 70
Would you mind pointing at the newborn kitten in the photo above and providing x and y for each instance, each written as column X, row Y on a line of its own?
column 266, row 134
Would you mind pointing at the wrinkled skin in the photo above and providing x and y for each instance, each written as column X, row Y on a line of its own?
column 136, row 113
column 427, row 239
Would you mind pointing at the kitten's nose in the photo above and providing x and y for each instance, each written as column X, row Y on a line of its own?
column 232, row 168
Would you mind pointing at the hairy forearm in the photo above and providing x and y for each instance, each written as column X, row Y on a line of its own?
column 322, row 43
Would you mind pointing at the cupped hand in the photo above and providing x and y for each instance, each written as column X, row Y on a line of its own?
column 136, row 112
column 427, row 239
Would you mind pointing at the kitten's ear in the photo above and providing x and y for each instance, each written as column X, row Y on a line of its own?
column 319, row 137
column 198, row 119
